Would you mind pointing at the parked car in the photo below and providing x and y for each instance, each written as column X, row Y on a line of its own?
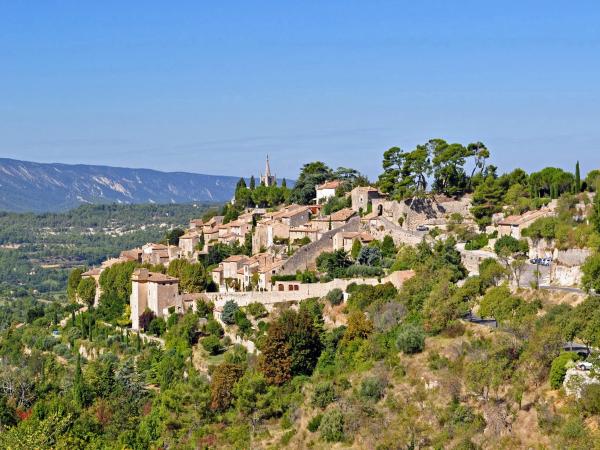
column 584, row 365
column 422, row 228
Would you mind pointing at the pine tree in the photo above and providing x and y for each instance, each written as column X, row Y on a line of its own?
column 577, row 178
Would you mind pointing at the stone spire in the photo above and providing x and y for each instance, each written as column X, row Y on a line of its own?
column 267, row 179
column 268, row 169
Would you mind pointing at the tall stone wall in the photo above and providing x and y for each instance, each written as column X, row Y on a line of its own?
column 384, row 227
column 306, row 290
column 422, row 211
column 305, row 256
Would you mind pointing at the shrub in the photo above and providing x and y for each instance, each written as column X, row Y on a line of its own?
column 324, row 394
column 372, row 388
column 332, row 426
column 590, row 398
column 313, row 424
column 335, row 296
column 229, row 309
column 157, row 327
column 244, row 325
column 369, row 256
column 212, row 344
column 558, row 370
column 411, row 339
column 362, row 271
column 204, row 308
column 214, row 328
column 477, row 242
column 256, row 310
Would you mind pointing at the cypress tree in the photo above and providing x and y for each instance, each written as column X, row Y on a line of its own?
column 201, row 241
column 283, row 183
column 79, row 393
column 252, row 182
column 577, row 178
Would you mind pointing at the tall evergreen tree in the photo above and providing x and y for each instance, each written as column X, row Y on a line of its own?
column 577, row 178
column 201, row 241
column 252, row 182
column 283, row 183
column 79, row 391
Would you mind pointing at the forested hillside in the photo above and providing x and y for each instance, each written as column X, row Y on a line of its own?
column 38, row 249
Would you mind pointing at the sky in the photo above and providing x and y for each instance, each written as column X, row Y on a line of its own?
column 212, row 87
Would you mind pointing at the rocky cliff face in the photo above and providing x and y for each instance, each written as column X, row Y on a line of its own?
column 37, row 187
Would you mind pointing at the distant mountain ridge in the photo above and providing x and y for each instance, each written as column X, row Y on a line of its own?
column 41, row 187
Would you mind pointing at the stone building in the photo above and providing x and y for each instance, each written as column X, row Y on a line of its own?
column 155, row 254
column 154, row 291
column 345, row 240
column 326, row 190
column 333, row 221
column 188, row 243
column 267, row 179
column 514, row 225
column 363, row 195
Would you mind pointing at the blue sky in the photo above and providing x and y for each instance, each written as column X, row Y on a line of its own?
column 212, row 87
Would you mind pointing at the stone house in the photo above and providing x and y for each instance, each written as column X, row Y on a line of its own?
column 304, row 231
column 363, row 195
column 155, row 254
column 333, row 221
column 278, row 225
column 345, row 240
column 326, row 190
column 188, row 243
column 154, row 291
column 514, row 225
column 134, row 254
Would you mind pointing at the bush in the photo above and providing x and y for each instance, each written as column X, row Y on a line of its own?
column 214, row 328
column 204, row 308
column 324, row 394
column 335, row 296
column 229, row 309
column 361, row 271
column 372, row 388
column 332, row 426
column 590, row 399
column 256, row 310
column 212, row 344
column 369, row 256
column 313, row 424
column 157, row 327
column 411, row 339
column 477, row 242
column 558, row 370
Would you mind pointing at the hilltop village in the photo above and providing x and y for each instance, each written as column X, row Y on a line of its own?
column 443, row 305
column 277, row 249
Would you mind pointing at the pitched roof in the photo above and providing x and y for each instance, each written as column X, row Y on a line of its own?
column 92, row 272
column 525, row 217
column 290, row 211
column 236, row 258
column 333, row 184
column 338, row 216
